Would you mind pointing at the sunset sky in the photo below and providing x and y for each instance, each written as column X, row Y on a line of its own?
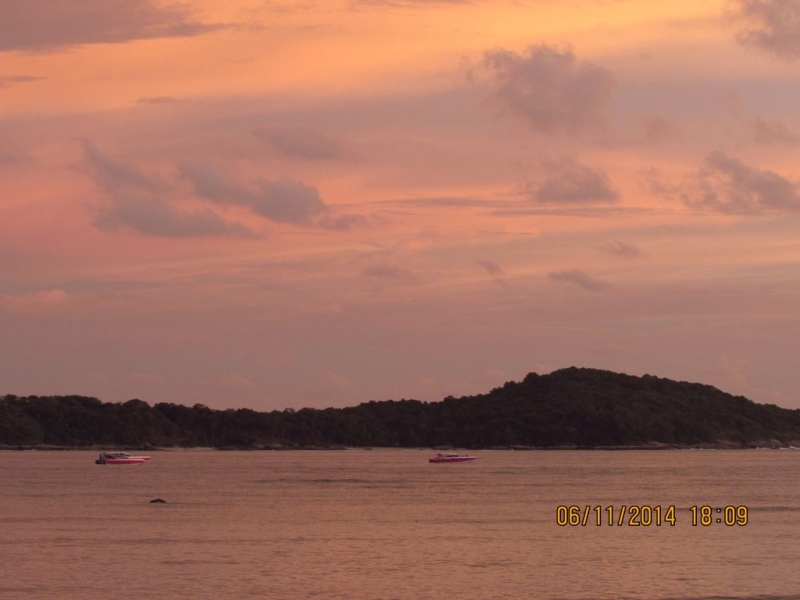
column 273, row 204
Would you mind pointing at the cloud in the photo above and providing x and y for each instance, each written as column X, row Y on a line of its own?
column 283, row 201
column 47, row 24
column 569, row 182
column 550, row 89
column 657, row 129
column 656, row 183
column 342, row 222
column 10, row 153
column 579, row 278
column 727, row 185
column 6, row 82
column 213, row 184
column 38, row 302
column 135, row 201
column 769, row 25
column 388, row 272
column 578, row 210
column 301, row 141
column 491, row 267
column 773, row 133
column 115, row 176
column 288, row 201
column 411, row 3
column 436, row 202
column 158, row 100
column 622, row 249
column 153, row 216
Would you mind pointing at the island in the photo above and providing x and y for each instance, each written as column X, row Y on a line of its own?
column 568, row 408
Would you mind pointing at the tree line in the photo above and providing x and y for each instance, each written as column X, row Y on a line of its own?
column 584, row 408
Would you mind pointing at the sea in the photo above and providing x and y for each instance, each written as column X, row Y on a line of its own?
column 385, row 524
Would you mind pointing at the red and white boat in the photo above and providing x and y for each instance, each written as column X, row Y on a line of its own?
column 120, row 458
column 451, row 458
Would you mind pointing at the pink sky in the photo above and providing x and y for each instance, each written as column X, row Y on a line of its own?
column 285, row 203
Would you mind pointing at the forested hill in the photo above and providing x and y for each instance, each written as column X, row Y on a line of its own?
column 567, row 408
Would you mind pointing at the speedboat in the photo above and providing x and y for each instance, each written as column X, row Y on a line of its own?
column 120, row 458
column 451, row 458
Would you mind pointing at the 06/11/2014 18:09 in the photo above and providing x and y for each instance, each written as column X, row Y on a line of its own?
column 643, row 515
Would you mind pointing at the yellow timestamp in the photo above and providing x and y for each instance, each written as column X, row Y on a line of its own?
column 645, row 515
column 728, row 515
column 634, row 515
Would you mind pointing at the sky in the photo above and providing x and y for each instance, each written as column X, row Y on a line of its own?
column 276, row 204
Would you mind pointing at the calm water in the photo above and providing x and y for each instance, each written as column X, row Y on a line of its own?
column 385, row 524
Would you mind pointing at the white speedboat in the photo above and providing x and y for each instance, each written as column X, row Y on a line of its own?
column 120, row 458
column 452, row 458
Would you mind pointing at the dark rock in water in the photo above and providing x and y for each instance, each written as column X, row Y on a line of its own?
column 158, row 501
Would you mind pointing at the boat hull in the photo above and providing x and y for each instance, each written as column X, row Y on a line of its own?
column 121, row 461
column 452, row 459
column 120, row 458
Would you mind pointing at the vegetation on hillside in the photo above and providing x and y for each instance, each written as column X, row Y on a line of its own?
column 567, row 408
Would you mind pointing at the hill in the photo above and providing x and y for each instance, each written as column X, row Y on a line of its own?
column 584, row 408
